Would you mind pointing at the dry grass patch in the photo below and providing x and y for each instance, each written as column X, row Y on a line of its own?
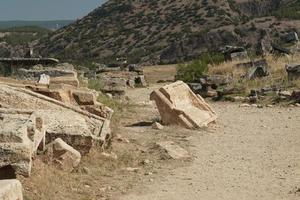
column 277, row 77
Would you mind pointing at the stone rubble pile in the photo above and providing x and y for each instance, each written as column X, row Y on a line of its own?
column 45, row 111
column 116, row 80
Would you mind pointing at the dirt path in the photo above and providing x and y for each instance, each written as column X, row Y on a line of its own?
column 250, row 154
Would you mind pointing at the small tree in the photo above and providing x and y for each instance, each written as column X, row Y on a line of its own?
column 191, row 71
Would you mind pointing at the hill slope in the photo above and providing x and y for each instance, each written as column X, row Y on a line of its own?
column 166, row 31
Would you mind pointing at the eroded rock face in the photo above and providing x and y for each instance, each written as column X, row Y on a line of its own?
column 10, row 190
column 177, row 104
column 21, row 133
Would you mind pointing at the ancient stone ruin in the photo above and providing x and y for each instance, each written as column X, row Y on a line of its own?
column 116, row 80
column 178, row 105
column 21, row 133
column 233, row 53
column 34, row 114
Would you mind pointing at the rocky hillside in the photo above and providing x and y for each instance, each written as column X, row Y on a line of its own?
column 168, row 31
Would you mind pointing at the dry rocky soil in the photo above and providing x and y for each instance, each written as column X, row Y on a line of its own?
column 249, row 153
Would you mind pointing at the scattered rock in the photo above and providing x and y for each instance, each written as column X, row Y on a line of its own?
column 259, row 69
column 245, row 105
column 238, row 98
column 132, row 169
column 157, row 126
column 291, row 37
column 173, row 150
column 122, row 139
column 285, row 93
column 63, row 155
column 111, row 155
column 44, row 79
column 293, row 71
column 146, row 162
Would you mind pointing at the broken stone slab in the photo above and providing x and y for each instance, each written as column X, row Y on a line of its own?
column 66, row 121
column 136, row 68
column 63, row 155
column 178, row 105
column 11, row 190
column 291, row 37
column 173, row 150
column 280, row 50
column 113, row 85
column 231, row 51
column 237, row 56
column 44, row 79
column 65, row 80
column 285, row 93
column 21, row 133
column 36, row 73
column 140, row 81
column 84, row 97
column 293, row 71
column 259, row 69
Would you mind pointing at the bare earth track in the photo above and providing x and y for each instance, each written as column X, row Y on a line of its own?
column 250, row 153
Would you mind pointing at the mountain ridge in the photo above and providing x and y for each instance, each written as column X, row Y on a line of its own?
column 166, row 31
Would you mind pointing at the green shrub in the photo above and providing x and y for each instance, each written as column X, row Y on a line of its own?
column 189, row 72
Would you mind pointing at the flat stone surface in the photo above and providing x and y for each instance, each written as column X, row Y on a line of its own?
column 10, row 190
column 174, row 150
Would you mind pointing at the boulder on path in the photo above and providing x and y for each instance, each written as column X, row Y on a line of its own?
column 63, row 155
column 173, row 150
column 178, row 105
column 11, row 190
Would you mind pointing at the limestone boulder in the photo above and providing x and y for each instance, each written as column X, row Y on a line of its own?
column 63, row 155
column 11, row 190
column 21, row 133
column 177, row 104
column 84, row 97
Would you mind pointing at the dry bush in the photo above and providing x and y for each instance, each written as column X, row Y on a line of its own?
column 277, row 77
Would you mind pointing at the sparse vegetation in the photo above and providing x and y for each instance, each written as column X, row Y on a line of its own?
column 192, row 71
column 22, row 35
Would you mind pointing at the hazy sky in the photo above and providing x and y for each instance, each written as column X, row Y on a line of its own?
column 46, row 9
